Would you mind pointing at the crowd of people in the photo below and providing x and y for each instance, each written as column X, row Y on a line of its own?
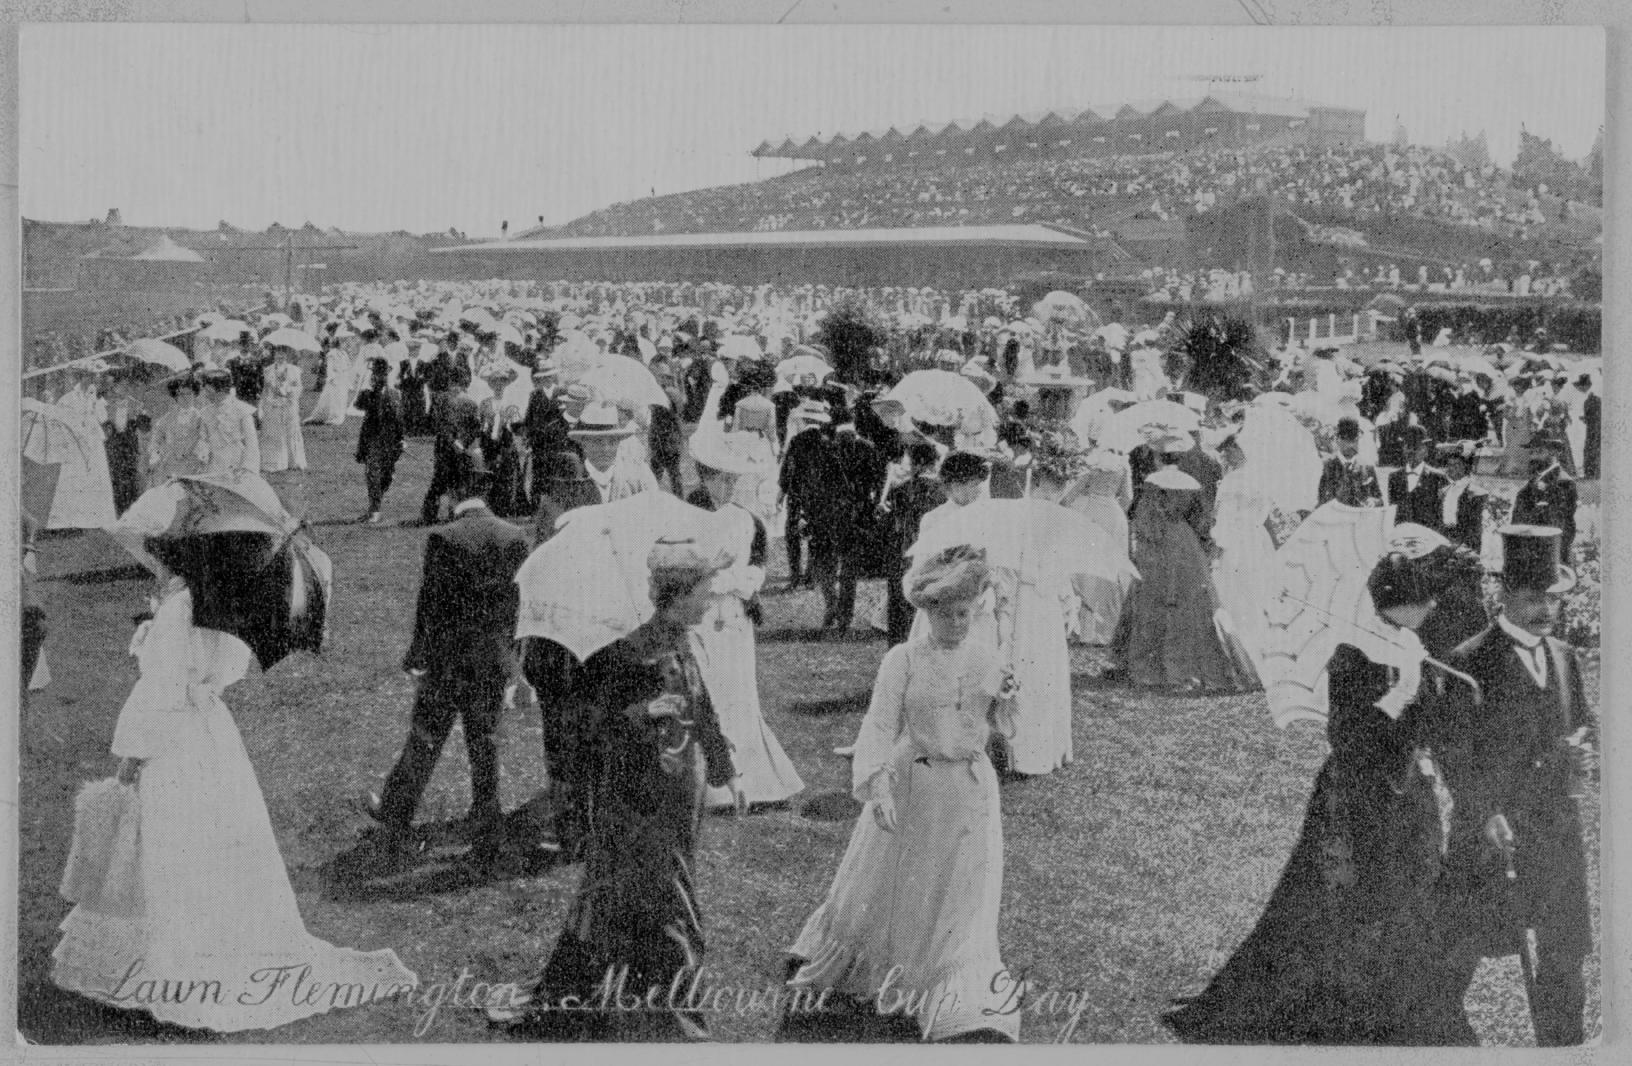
column 1156, row 537
column 1091, row 192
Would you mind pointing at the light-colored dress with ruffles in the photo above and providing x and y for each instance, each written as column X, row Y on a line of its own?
column 723, row 645
column 918, row 907
column 214, row 916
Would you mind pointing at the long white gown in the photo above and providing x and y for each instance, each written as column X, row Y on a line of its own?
column 1027, row 621
column 723, row 644
column 215, row 902
column 283, row 447
column 332, row 402
column 924, row 898
column 1245, row 570
column 1106, row 491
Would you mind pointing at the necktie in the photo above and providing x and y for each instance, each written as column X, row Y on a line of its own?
column 1535, row 661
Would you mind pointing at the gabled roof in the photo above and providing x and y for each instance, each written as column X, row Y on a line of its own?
column 1095, row 115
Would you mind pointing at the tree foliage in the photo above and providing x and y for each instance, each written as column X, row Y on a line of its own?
column 1217, row 353
column 849, row 331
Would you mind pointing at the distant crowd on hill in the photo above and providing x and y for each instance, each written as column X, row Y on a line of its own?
column 1092, row 192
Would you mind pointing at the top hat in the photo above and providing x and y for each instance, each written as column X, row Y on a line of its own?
column 1530, row 559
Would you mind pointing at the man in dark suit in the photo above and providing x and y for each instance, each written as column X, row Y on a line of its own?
column 799, row 482
column 461, row 656
column 457, row 423
column 904, row 510
column 379, row 444
column 851, row 478
column 1346, row 479
column 544, row 425
column 1514, row 760
column 1416, row 489
column 1549, row 498
column 1592, row 415
column 1462, row 507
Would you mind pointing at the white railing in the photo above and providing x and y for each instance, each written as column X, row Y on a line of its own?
column 1328, row 330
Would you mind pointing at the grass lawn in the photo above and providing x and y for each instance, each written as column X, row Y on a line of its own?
column 1129, row 875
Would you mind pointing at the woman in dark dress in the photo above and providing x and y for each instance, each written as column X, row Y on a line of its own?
column 647, row 743
column 123, row 444
column 1324, row 963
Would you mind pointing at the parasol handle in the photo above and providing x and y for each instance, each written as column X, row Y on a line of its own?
column 1428, row 660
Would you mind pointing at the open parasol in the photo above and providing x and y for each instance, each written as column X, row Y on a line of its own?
column 939, row 397
column 1042, row 540
column 1318, row 601
column 587, row 586
column 253, row 569
column 288, row 337
column 626, row 383
column 227, row 329
column 1148, row 421
column 158, row 353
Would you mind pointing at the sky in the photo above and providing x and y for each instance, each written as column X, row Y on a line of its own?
column 423, row 128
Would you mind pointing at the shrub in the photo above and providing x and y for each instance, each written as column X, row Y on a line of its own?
column 849, row 330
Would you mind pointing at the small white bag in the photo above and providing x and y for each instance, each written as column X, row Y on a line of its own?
column 104, row 862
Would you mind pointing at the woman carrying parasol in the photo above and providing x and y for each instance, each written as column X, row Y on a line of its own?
column 1323, row 962
column 205, row 908
column 648, row 743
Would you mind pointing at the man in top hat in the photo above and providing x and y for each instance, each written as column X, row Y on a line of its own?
column 1549, row 498
column 461, row 655
column 1416, row 489
column 379, row 443
column 1344, row 478
column 848, row 480
column 544, row 424
column 1461, row 506
column 1513, row 758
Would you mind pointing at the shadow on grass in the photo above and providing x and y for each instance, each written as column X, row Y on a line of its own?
column 57, row 1017
column 850, row 703
column 106, row 576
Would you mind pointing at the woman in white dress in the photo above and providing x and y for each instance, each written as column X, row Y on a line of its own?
column 1102, row 495
column 282, row 445
column 1024, row 618
column 198, row 942
column 723, row 642
column 1244, row 573
column 332, row 402
column 910, row 922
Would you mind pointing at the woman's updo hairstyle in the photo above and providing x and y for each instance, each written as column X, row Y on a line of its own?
column 1419, row 565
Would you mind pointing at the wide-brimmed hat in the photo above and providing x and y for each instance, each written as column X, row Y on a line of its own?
column 1530, row 559
column 1173, row 479
column 601, row 419
column 723, row 453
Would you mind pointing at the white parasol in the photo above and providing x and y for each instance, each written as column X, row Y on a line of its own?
column 1321, row 574
column 227, row 329
column 940, row 398
column 291, row 338
column 158, row 353
column 625, row 382
column 587, row 586
column 1148, row 421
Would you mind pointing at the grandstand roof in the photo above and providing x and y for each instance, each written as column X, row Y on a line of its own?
column 1224, row 102
column 1032, row 235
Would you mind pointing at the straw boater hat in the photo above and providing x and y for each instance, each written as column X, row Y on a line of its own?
column 601, row 420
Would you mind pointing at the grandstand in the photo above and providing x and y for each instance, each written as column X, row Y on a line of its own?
column 1214, row 121
column 945, row 256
